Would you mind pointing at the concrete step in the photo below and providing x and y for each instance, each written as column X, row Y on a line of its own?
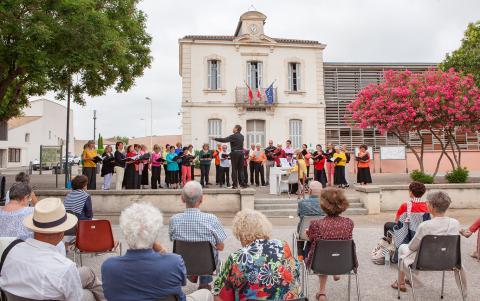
column 289, row 213
column 293, row 200
column 291, row 206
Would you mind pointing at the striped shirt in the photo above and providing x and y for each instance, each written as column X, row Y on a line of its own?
column 79, row 203
column 194, row 225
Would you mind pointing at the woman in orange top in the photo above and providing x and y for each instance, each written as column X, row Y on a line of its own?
column 216, row 156
column 259, row 158
column 363, row 165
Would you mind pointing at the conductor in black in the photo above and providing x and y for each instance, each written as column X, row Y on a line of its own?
column 236, row 156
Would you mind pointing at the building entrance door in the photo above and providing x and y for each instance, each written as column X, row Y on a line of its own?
column 255, row 132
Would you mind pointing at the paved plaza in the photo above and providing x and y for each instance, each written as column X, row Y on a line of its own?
column 375, row 280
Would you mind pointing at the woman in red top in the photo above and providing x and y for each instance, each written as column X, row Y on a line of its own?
column 468, row 232
column 319, row 166
column 333, row 227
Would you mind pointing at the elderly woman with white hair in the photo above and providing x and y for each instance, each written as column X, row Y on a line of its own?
column 263, row 268
column 146, row 271
column 440, row 224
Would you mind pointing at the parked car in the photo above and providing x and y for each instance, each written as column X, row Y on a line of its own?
column 36, row 165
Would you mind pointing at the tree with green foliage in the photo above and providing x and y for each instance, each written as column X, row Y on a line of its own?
column 466, row 59
column 122, row 139
column 85, row 47
column 100, row 141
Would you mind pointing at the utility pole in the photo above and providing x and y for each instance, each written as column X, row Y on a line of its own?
column 67, row 140
column 151, row 122
column 95, row 126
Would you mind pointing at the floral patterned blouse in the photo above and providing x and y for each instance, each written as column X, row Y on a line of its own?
column 263, row 270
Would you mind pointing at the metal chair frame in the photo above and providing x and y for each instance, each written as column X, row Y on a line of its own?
column 414, row 267
column 307, row 271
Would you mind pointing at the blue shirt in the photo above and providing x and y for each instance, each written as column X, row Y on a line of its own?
column 171, row 164
column 143, row 275
column 195, row 225
column 309, row 207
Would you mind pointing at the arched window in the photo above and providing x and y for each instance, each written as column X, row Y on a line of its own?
column 295, row 131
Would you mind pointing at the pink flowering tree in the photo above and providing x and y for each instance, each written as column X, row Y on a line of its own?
column 434, row 101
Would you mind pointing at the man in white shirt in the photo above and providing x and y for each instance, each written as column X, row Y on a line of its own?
column 35, row 269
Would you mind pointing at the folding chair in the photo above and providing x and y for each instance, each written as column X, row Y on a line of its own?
column 436, row 253
column 95, row 237
column 334, row 257
column 198, row 256
column 301, row 236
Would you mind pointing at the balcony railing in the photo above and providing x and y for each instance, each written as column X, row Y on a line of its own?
column 242, row 98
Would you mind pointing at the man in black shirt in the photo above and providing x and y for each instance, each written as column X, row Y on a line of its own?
column 236, row 156
column 270, row 159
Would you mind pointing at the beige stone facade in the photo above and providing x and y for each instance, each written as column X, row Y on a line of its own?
column 215, row 71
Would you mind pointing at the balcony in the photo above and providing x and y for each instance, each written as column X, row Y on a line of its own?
column 242, row 99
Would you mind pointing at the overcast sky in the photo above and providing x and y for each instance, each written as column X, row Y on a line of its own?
column 354, row 31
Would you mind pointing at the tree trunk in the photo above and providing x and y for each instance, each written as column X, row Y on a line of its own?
column 415, row 153
column 444, row 149
column 458, row 158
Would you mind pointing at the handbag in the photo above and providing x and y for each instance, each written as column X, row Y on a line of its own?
column 384, row 245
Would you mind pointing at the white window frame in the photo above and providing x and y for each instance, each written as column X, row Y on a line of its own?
column 27, row 137
column 214, row 130
column 294, row 77
column 295, row 128
column 214, row 71
column 254, row 85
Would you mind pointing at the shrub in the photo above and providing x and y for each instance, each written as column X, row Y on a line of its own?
column 417, row 175
column 458, row 175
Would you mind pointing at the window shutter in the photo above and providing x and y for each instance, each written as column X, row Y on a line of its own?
column 290, row 75
column 297, row 69
column 249, row 74
column 209, row 75
column 260, row 75
column 218, row 75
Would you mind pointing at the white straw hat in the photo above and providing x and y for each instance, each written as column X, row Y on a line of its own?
column 49, row 216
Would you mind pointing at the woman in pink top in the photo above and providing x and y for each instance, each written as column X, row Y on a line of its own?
column 156, row 162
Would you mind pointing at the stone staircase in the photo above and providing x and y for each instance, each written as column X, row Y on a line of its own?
column 287, row 207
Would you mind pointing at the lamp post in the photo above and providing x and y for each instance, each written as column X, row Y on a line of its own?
column 67, row 140
column 151, row 122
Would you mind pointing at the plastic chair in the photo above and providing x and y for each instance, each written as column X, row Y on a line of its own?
column 198, row 256
column 335, row 257
column 301, row 235
column 94, row 237
column 437, row 253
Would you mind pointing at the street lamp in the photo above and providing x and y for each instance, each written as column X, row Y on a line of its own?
column 151, row 122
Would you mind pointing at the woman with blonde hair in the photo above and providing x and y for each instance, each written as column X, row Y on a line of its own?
column 301, row 168
column 263, row 268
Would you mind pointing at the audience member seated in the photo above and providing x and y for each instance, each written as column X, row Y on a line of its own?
column 36, row 269
column 409, row 216
column 333, row 227
column 13, row 213
column 22, row 177
column 195, row 225
column 263, row 269
column 468, row 232
column 440, row 224
column 311, row 206
column 146, row 271
column 79, row 202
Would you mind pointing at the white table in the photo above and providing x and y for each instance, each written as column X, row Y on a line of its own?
column 276, row 186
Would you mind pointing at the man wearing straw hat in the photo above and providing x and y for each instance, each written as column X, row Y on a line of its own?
column 36, row 270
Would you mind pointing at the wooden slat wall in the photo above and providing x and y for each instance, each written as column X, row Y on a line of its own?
column 344, row 81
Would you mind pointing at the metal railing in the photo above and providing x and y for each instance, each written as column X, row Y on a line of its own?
column 242, row 98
